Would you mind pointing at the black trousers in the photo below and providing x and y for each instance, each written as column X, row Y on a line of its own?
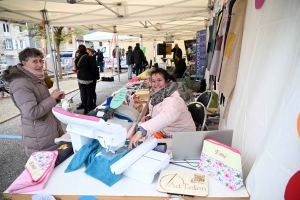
column 88, row 94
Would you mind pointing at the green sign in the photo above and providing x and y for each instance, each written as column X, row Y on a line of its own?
column 144, row 50
column 118, row 99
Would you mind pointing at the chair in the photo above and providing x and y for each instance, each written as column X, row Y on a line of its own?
column 205, row 98
column 185, row 77
column 198, row 113
column 197, row 76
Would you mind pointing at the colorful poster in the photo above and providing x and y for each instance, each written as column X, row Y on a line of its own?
column 144, row 50
column 200, row 51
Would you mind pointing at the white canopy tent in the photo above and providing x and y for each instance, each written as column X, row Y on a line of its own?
column 104, row 36
column 152, row 19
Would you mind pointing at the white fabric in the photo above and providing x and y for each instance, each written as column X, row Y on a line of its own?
column 265, row 103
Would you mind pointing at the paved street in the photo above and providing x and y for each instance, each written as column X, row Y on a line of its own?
column 12, row 157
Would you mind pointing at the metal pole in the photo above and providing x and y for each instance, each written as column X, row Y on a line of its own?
column 118, row 57
column 141, row 40
column 52, row 54
column 154, row 51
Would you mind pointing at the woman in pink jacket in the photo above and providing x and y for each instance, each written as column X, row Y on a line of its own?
column 168, row 111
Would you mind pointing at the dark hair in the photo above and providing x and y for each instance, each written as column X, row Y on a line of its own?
column 82, row 48
column 129, row 47
column 179, row 55
column 30, row 52
column 168, row 77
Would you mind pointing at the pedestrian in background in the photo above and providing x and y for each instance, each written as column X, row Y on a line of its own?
column 138, row 59
column 129, row 62
column 87, row 72
column 100, row 59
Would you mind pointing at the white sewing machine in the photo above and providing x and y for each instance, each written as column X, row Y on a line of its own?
column 141, row 163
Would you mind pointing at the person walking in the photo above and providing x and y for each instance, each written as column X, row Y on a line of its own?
column 129, row 62
column 100, row 59
column 138, row 58
column 175, row 51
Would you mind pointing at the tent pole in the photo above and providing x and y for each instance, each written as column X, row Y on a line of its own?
column 52, row 54
column 118, row 57
column 154, row 51
column 141, row 40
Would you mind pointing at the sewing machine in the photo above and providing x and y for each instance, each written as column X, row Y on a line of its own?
column 141, row 163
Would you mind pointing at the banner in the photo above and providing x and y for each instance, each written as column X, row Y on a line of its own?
column 144, row 50
column 200, row 51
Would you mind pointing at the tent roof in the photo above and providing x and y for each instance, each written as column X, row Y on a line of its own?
column 104, row 36
column 153, row 19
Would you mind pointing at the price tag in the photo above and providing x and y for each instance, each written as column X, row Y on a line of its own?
column 118, row 99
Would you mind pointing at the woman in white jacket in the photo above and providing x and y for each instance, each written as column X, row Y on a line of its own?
column 168, row 110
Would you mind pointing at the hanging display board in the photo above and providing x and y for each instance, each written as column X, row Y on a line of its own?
column 200, row 51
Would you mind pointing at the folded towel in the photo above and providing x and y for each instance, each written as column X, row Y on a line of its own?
column 82, row 155
column 64, row 149
column 97, row 162
column 25, row 182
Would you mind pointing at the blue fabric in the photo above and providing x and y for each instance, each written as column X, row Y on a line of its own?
column 98, row 166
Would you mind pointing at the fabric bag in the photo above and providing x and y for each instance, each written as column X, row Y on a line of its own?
column 223, row 163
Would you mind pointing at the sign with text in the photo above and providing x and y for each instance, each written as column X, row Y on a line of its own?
column 182, row 183
column 118, row 99
column 200, row 51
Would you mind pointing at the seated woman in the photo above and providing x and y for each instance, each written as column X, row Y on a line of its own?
column 168, row 110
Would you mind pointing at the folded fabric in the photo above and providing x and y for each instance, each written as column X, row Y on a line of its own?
column 97, row 162
column 25, row 183
column 64, row 149
column 38, row 164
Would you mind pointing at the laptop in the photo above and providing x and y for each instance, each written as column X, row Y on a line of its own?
column 188, row 145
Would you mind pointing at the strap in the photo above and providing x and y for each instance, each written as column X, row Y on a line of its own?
column 80, row 59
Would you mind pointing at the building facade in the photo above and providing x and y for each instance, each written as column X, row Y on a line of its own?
column 12, row 40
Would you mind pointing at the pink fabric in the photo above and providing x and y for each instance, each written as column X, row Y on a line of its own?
column 171, row 115
column 24, row 182
column 133, row 80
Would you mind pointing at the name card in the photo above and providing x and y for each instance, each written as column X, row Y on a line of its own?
column 118, row 99
column 182, row 183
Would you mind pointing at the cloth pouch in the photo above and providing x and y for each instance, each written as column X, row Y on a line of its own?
column 64, row 149
column 223, row 163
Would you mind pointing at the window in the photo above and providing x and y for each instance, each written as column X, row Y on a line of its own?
column 21, row 44
column 8, row 44
column 5, row 28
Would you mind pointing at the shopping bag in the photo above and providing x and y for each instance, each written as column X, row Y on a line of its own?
column 222, row 162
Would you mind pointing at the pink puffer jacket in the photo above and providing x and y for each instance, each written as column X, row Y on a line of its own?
column 171, row 115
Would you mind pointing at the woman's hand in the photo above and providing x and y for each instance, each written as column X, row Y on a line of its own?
column 145, row 118
column 135, row 139
column 57, row 94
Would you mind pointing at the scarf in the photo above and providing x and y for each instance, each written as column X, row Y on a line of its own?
column 158, row 96
column 39, row 75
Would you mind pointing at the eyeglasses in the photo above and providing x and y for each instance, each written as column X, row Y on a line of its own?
column 157, row 81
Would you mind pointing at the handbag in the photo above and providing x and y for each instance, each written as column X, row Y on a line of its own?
column 222, row 162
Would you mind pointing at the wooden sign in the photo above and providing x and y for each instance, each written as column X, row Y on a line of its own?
column 174, row 182
column 118, row 99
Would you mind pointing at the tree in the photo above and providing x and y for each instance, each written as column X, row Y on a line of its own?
column 61, row 35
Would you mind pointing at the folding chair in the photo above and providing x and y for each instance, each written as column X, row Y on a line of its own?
column 198, row 113
column 185, row 77
column 205, row 98
column 197, row 76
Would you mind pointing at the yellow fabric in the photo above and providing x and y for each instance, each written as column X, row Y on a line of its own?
column 48, row 82
column 143, row 75
column 229, row 44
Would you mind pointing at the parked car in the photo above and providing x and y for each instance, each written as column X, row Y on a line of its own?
column 3, row 65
